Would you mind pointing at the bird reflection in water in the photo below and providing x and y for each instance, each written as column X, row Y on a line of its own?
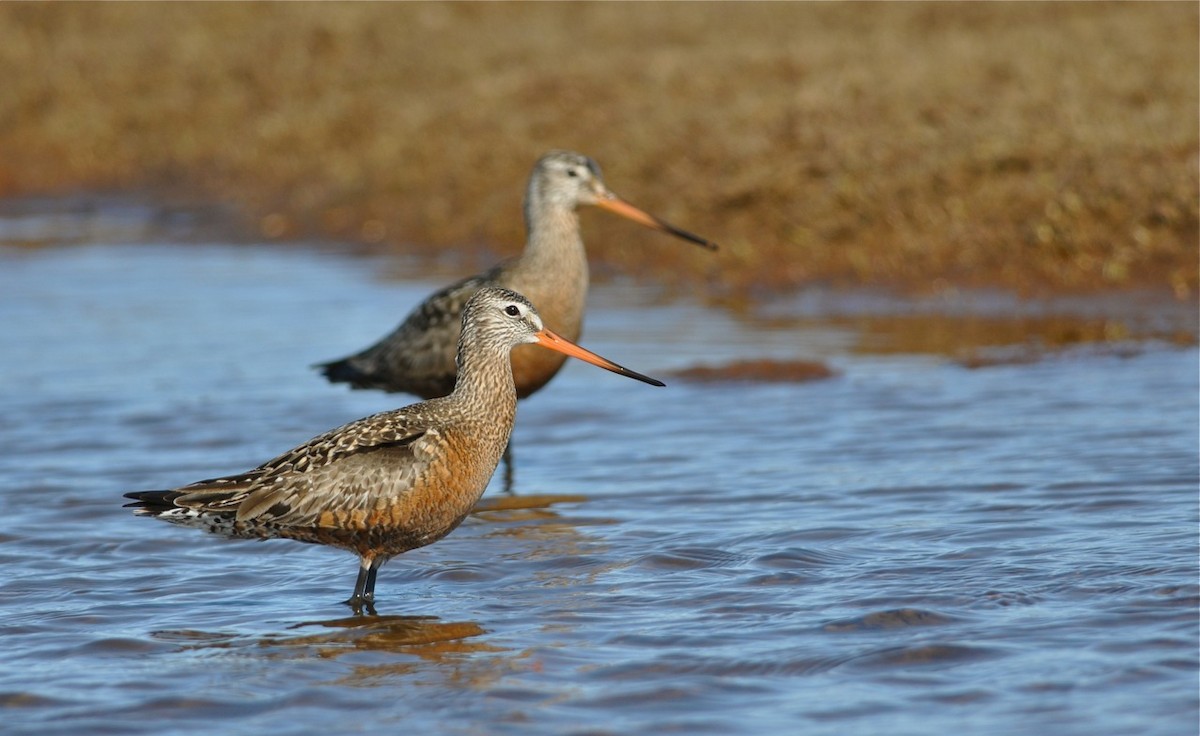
column 454, row 650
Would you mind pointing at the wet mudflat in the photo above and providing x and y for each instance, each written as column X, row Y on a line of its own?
column 908, row 546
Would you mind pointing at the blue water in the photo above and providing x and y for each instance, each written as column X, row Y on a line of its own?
column 909, row 547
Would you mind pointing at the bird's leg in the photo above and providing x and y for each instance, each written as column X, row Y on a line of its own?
column 368, row 592
column 508, row 469
column 364, row 587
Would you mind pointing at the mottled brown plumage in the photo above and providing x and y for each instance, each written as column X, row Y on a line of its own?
column 393, row 481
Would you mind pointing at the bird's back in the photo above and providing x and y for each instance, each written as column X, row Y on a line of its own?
column 384, row 484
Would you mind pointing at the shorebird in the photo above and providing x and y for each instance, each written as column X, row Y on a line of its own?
column 393, row 481
column 418, row 356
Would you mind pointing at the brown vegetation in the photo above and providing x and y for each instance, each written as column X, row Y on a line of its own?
column 1041, row 148
column 757, row 371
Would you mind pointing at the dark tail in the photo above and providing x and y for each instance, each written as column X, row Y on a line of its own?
column 343, row 371
column 152, row 502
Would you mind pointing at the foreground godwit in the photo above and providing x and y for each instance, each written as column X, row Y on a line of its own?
column 393, row 481
column 418, row 356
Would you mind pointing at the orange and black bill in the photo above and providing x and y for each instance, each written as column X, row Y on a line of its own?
column 548, row 339
column 620, row 207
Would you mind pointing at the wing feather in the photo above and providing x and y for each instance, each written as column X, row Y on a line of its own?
column 354, row 477
column 361, row 465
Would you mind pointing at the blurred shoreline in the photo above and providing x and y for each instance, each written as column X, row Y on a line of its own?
column 1039, row 150
column 975, row 328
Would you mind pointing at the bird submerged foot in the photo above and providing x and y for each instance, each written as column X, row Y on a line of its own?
column 361, row 606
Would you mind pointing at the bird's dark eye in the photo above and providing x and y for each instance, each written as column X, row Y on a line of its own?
column 512, row 311
column 572, row 173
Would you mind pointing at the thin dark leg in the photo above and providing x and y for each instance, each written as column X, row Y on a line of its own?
column 364, row 587
column 368, row 593
column 508, row 469
column 360, row 583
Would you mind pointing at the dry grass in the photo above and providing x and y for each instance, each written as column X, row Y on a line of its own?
column 1043, row 148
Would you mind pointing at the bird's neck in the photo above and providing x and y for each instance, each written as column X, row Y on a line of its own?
column 485, row 379
column 553, row 235
column 553, row 270
column 481, row 411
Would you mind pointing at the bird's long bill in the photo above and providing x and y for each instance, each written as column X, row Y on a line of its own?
column 547, row 339
column 620, row 207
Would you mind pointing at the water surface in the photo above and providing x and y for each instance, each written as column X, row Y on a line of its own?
column 910, row 547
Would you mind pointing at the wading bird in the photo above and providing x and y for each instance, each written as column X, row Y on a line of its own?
column 393, row 481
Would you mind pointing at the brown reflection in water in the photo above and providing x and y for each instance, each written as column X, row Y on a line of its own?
column 451, row 647
column 423, row 645
column 920, row 655
column 425, row 636
column 758, row 371
column 897, row 618
column 978, row 341
column 526, row 503
column 973, row 340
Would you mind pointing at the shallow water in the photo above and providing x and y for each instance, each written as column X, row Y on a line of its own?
column 910, row 547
